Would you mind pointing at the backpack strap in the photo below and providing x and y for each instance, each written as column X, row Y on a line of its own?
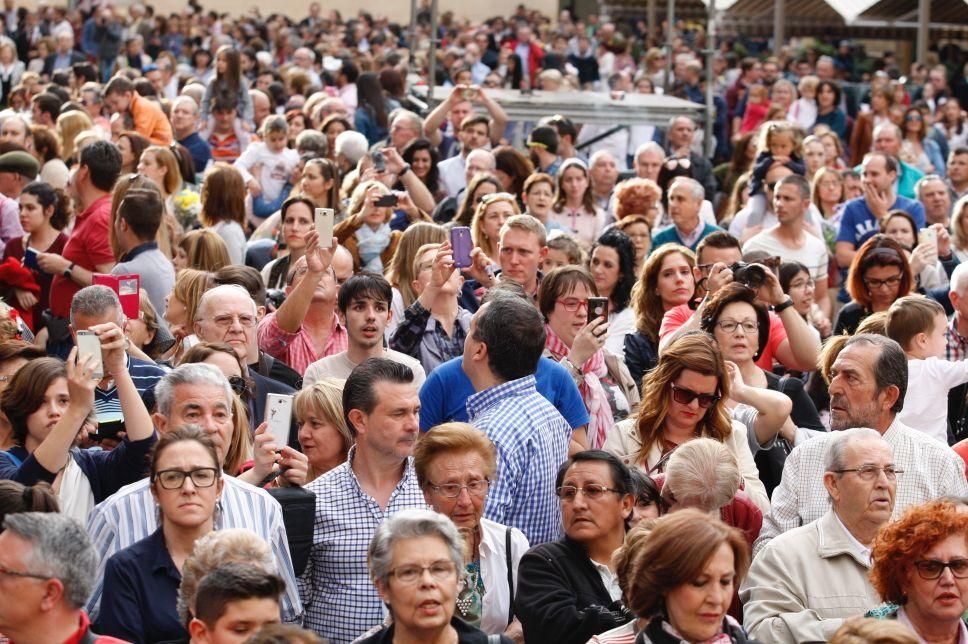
column 507, row 554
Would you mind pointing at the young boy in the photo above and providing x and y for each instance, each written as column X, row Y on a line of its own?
column 918, row 324
column 232, row 602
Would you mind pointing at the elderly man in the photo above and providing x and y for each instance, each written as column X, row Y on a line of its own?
column 49, row 568
column 17, row 169
column 404, row 128
column 477, row 161
column 380, row 406
column 934, row 195
column 804, row 583
column 688, row 229
column 64, row 54
column 603, row 171
column 16, row 130
column 568, row 591
column 261, row 106
column 869, row 379
column 199, row 394
column 184, row 126
column 304, row 58
column 648, row 160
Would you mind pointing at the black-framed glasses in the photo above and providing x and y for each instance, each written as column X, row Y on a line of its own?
column 592, row 492
column 175, row 479
column 871, row 472
column 441, row 570
column 932, row 568
column 872, row 283
column 477, row 487
column 26, row 575
column 685, row 397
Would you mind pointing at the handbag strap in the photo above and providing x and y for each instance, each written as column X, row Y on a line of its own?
column 507, row 554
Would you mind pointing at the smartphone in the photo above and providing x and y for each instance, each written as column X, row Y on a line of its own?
column 88, row 344
column 324, row 226
column 469, row 92
column 460, row 241
column 279, row 417
column 597, row 308
column 929, row 236
column 379, row 161
column 386, row 201
column 108, row 427
column 30, row 259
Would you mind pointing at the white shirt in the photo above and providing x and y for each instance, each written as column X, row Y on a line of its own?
column 813, row 254
column 340, row 366
column 926, row 400
column 619, row 325
column 812, row 220
column 452, row 176
column 609, row 580
column 494, row 571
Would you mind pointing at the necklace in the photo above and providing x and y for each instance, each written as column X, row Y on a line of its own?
column 470, row 597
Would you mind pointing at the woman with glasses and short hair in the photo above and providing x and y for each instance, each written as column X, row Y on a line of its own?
column 455, row 465
column 920, row 568
column 687, row 393
column 141, row 582
column 878, row 275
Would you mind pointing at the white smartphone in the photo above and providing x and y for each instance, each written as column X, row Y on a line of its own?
column 279, row 417
column 88, row 344
column 929, row 236
column 324, row 226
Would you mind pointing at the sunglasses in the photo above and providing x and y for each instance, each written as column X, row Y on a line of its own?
column 496, row 196
column 685, row 397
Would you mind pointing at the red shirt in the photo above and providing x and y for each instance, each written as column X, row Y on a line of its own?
column 87, row 247
column 85, row 625
column 679, row 315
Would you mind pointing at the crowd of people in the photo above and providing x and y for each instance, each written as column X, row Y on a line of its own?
column 288, row 355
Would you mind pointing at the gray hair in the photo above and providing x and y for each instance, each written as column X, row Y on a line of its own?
column 704, row 472
column 411, row 524
column 672, row 121
column 959, row 280
column 351, row 145
column 222, row 289
column 485, row 153
column 415, row 121
column 891, row 127
column 95, row 300
column 696, row 190
column 598, row 154
column 891, row 366
column 649, row 146
column 60, row 548
column 195, row 373
column 925, row 180
column 833, row 458
column 185, row 98
column 311, row 142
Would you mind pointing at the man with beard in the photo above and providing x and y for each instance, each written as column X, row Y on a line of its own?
column 868, row 381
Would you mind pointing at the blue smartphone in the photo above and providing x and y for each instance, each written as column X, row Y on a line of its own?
column 30, row 259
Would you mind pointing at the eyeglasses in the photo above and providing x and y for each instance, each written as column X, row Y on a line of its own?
column 27, row 575
column 682, row 162
column 239, row 384
column 572, row 304
column 495, row 196
column 871, row 472
column 730, row 326
column 175, row 479
column 932, row 569
column 225, row 321
column 477, row 487
column 872, row 283
column 804, row 284
column 592, row 492
column 442, row 570
column 913, row 117
column 685, row 396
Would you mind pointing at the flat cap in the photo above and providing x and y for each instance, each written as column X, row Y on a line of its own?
column 21, row 162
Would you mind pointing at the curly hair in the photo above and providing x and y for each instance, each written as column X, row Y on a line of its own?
column 900, row 543
column 645, row 298
column 637, row 196
column 727, row 295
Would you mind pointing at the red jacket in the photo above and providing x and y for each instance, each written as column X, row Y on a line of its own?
column 535, row 55
column 741, row 512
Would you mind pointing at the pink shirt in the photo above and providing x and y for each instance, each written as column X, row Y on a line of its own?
column 297, row 349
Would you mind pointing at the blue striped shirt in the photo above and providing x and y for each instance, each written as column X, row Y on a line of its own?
column 129, row 515
column 532, row 439
column 145, row 376
column 340, row 599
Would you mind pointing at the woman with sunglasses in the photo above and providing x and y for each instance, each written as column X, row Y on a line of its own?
column 141, row 582
column 917, row 148
column 687, row 393
column 574, row 206
column 920, row 569
column 489, row 216
column 575, row 337
column 878, row 275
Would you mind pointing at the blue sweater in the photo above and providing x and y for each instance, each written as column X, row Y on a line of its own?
column 671, row 236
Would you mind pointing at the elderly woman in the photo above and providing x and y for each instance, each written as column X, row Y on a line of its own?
column 683, row 579
column 416, row 562
column 323, row 435
column 878, row 275
column 575, row 338
column 455, row 464
column 687, row 392
column 920, row 567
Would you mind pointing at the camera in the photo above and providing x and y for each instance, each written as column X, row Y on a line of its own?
column 752, row 275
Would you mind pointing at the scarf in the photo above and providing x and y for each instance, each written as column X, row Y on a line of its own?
column 600, row 418
column 370, row 244
column 660, row 631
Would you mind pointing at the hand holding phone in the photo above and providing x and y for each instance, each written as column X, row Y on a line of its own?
column 89, row 344
column 279, row 417
column 324, row 226
column 597, row 308
column 386, row 201
column 379, row 161
column 460, row 241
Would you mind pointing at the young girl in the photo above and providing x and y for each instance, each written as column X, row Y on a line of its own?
column 228, row 82
column 779, row 143
column 757, row 105
column 574, row 206
column 803, row 112
column 273, row 162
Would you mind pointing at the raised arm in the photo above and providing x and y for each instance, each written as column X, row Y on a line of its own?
column 773, row 407
column 438, row 115
column 137, row 420
column 499, row 118
column 293, row 310
column 53, row 452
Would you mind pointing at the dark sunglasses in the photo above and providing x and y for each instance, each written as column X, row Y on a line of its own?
column 239, row 385
column 686, row 396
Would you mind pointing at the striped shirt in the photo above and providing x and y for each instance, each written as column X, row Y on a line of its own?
column 298, row 349
column 129, row 515
column 532, row 439
column 931, row 470
column 145, row 376
column 340, row 599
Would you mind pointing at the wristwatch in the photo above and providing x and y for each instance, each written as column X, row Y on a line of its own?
column 69, row 270
column 405, row 170
column 783, row 306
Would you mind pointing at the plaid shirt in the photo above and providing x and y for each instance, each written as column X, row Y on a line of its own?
column 339, row 597
column 297, row 349
column 422, row 337
column 532, row 439
column 931, row 470
column 956, row 347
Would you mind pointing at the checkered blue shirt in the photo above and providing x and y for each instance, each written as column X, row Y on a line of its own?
column 532, row 439
column 338, row 595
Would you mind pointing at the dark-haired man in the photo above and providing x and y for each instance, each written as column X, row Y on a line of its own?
column 501, row 352
column 232, row 602
column 139, row 217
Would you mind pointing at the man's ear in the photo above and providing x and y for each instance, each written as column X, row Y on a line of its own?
column 73, row 332
column 198, row 631
column 160, row 421
column 357, row 420
column 832, row 483
column 891, row 393
column 543, row 252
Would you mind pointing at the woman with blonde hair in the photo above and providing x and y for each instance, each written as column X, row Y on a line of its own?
column 490, row 214
column 182, row 307
column 69, row 125
column 959, row 229
column 400, row 272
column 47, row 151
column 366, row 231
column 161, row 165
column 687, row 393
column 223, row 207
column 202, row 250
column 323, row 435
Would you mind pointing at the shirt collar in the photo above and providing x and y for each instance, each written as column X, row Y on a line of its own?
column 140, row 248
column 480, row 401
column 862, row 551
column 953, row 329
column 408, row 472
column 95, row 205
column 161, row 559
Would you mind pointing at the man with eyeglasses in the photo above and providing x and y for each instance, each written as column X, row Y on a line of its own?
column 868, row 382
column 47, row 568
column 568, row 591
column 806, row 582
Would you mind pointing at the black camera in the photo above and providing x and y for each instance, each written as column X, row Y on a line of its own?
column 752, row 275
column 275, row 297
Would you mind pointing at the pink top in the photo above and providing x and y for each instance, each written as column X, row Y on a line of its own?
column 297, row 349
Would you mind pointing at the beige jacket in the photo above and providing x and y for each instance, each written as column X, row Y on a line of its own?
column 805, row 582
column 623, row 440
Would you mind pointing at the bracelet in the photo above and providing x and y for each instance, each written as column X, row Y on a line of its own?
column 69, row 270
column 783, row 306
column 405, row 170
